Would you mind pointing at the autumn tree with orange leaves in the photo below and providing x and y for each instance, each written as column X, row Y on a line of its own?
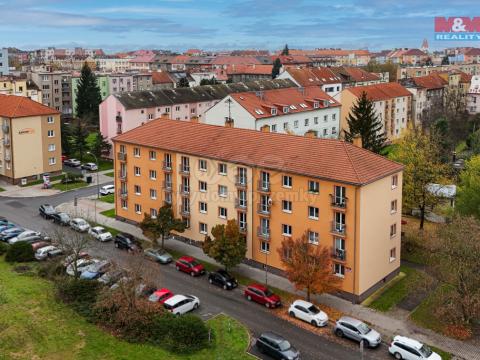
column 308, row 266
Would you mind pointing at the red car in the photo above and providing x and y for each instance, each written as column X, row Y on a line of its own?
column 262, row 295
column 190, row 266
column 160, row 296
column 64, row 157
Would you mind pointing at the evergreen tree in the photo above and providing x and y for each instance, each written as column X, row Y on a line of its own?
column 88, row 96
column 183, row 82
column 285, row 50
column 277, row 65
column 66, row 135
column 79, row 139
column 100, row 145
column 362, row 121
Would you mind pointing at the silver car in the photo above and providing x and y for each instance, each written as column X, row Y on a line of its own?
column 357, row 330
column 158, row 255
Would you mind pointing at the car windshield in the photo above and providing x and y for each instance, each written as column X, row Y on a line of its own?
column 63, row 216
column 364, row 329
column 268, row 293
column 313, row 309
column 194, row 263
column 101, row 231
column 284, row 345
column 154, row 297
column 49, row 208
column 425, row 351
column 81, row 222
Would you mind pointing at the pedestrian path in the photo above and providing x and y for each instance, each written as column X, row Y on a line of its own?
column 387, row 325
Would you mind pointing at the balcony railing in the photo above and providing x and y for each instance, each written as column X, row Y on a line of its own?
column 184, row 169
column 338, row 228
column 185, row 212
column 242, row 205
column 263, row 233
column 122, row 175
column 263, row 209
column 167, row 201
column 242, row 228
column 167, row 166
column 338, row 201
column 167, row 185
column 6, row 141
column 6, row 128
column 263, row 186
column 240, row 181
column 339, row 254
column 184, row 190
column 122, row 156
column 123, row 194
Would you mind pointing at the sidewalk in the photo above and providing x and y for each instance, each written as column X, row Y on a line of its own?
column 386, row 325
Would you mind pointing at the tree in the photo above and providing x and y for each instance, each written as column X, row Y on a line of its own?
column 211, row 81
column 79, row 139
column 183, row 82
column 277, row 65
column 66, row 137
column 362, row 121
column 162, row 225
column 101, row 145
column 468, row 196
column 375, row 67
column 308, row 266
column 445, row 60
column 420, row 154
column 285, row 50
column 228, row 246
column 88, row 96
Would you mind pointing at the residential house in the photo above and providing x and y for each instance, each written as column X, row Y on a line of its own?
column 142, row 63
column 162, row 80
column 112, row 64
column 354, row 76
column 56, row 89
column 4, row 65
column 242, row 73
column 473, row 97
column 321, row 77
column 344, row 198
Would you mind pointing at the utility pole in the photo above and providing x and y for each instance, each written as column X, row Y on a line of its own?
column 98, row 184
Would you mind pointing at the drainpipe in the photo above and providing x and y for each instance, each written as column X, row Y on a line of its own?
column 355, row 247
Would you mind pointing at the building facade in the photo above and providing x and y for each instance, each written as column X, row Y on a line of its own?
column 4, row 65
column 56, row 90
column 473, row 97
column 345, row 198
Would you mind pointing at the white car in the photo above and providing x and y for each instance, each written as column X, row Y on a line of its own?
column 82, row 265
column 107, row 189
column 27, row 235
column 181, row 304
column 99, row 233
column 47, row 251
column 308, row 312
column 78, row 224
column 90, row 166
column 409, row 349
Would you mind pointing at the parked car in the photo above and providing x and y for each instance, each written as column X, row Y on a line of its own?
column 357, row 330
column 181, row 304
column 72, row 162
column 39, row 245
column 7, row 234
column 276, row 346
column 308, row 312
column 82, row 265
column 160, row 296
column 107, row 189
column 26, row 236
column 90, row 166
column 81, row 255
column 6, row 226
column 262, row 295
column 410, row 349
column 3, row 221
column 99, row 233
column 158, row 255
column 46, row 211
column 190, row 266
column 113, row 276
column 126, row 241
column 96, row 270
column 222, row 278
column 61, row 219
column 47, row 252
column 79, row 224
column 64, row 158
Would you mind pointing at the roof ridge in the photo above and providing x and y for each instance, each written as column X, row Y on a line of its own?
column 351, row 161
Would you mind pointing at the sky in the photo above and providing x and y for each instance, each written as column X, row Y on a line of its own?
column 117, row 25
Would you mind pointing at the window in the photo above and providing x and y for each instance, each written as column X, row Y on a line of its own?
column 325, row 118
column 273, row 111
column 285, row 109
column 50, row 120
column 203, row 228
column 122, row 149
column 52, row 161
column 274, row 128
column 394, row 181
column 167, row 161
column 203, row 207
column 242, row 220
column 152, row 155
column 241, row 176
column 293, row 107
column 138, row 208
column 136, row 152
column 150, row 116
column 313, row 237
column 222, row 191
column 334, row 116
column 295, row 124
column 50, row 133
column 334, row 130
column 124, row 204
column 137, row 189
column 153, row 213
column 315, row 120
column 393, row 230
column 153, row 194
column 286, row 181
column 393, row 254
column 51, row 147
column 287, row 206
column 168, row 197
column 202, row 165
column 313, row 186
column 313, row 212
column 202, row 185
column 286, row 230
column 325, row 132
column 185, row 164
column 285, row 126
column 177, row 108
column 306, row 122
column 393, row 207
column 222, row 212
column 242, row 198
column 339, row 270
column 136, row 170
column 264, row 247
column 222, row 169
column 153, row 174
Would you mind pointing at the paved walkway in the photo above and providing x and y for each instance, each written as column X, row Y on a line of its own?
column 385, row 324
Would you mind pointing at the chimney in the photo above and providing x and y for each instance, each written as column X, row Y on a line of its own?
column 265, row 128
column 357, row 141
column 228, row 122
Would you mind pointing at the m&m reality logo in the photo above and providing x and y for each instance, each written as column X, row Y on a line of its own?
column 460, row 28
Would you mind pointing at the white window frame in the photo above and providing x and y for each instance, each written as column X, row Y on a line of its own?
column 222, row 169
column 152, row 174
column 287, row 206
column 137, row 171
column 138, row 209
column 313, row 217
column 51, row 133
column 202, row 207
column 313, row 237
column 200, row 187
column 287, row 230
column 221, row 193
column 203, row 228
column 153, row 194
column 287, row 181
column 265, row 247
column 52, row 161
column 222, row 209
column 50, row 120
column 202, row 165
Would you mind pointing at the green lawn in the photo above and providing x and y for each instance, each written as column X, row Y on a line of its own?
column 110, row 198
column 110, row 213
column 69, row 186
column 105, row 165
column 2, row 189
column 34, row 326
column 111, row 174
column 424, row 314
column 36, row 182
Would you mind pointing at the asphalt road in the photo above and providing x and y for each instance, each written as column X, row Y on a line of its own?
column 213, row 299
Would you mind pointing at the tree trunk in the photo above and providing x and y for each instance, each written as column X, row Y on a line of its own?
column 308, row 293
column 422, row 216
column 163, row 242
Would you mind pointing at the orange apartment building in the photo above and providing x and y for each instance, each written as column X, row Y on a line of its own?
column 274, row 185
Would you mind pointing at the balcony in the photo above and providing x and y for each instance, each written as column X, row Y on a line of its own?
column 184, row 212
column 167, row 201
column 122, row 156
column 263, row 210
column 123, row 194
column 167, row 185
column 6, row 128
column 240, row 181
column 122, row 175
column 6, row 141
column 263, row 233
column 242, row 228
column 118, row 118
column 338, row 228
column 263, row 186
column 240, row 205
column 338, row 201
column 184, row 169
column 167, row 166
column 339, row 254
column 184, row 190
column 7, row 157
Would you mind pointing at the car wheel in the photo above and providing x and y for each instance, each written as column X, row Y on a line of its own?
column 195, row 306
column 398, row 356
column 210, row 281
column 225, row 287
column 192, row 273
column 249, row 298
column 177, row 267
column 314, row 323
column 339, row 333
column 292, row 314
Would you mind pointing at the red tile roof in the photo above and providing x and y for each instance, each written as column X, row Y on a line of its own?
column 161, row 77
column 18, row 106
column 356, row 74
column 334, row 160
column 313, row 76
column 292, row 59
column 416, row 52
column 229, row 60
column 430, row 82
column 379, row 92
column 249, row 69
column 473, row 52
column 260, row 104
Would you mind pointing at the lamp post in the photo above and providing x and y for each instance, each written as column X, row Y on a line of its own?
column 98, row 184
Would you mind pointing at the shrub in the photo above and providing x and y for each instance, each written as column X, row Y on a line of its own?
column 80, row 294
column 71, row 178
column 51, row 269
column 3, row 248
column 187, row 333
column 460, row 332
column 20, row 252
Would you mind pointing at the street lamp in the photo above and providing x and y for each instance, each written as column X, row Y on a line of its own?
column 98, row 183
